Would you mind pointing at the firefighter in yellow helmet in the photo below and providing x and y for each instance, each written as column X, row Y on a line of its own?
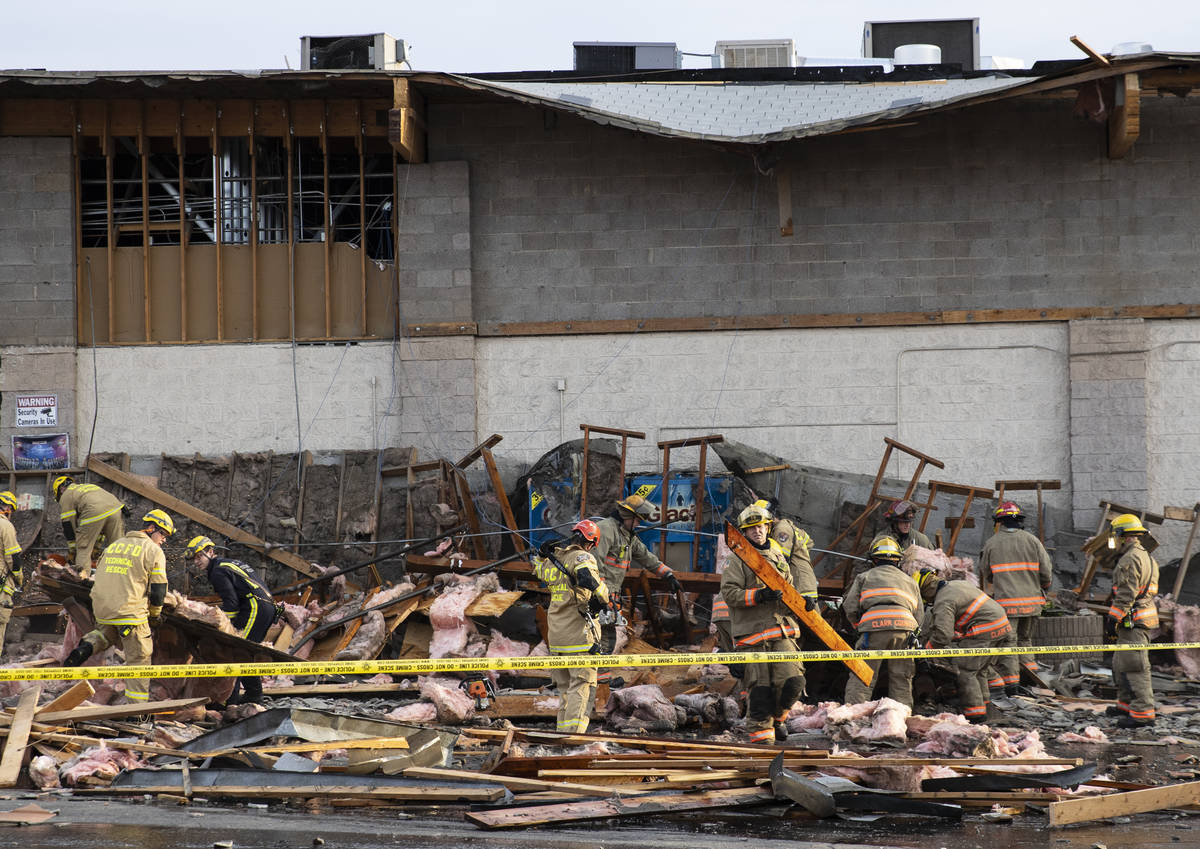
column 760, row 621
column 244, row 599
column 88, row 513
column 1131, row 617
column 127, row 598
column 795, row 543
column 576, row 595
column 1016, row 570
column 882, row 603
column 619, row 545
column 10, row 572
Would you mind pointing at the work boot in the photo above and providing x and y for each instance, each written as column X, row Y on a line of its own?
column 1019, row 690
column 79, row 654
column 781, row 732
column 1003, row 703
column 1114, row 710
column 1130, row 722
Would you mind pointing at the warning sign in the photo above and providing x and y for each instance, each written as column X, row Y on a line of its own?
column 37, row 411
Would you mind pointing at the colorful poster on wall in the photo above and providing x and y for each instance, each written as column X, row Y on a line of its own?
column 48, row 451
column 37, row 411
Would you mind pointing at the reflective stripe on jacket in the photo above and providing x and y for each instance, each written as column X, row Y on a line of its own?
column 960, row 609
column 244, row 598
column 795, row 543
column 569, row 629
column 751, row 623
column 1019, row 569
column 85, row 504
column 123, row 577
column 1135, row 584
column 618, row 549
column 882, row 599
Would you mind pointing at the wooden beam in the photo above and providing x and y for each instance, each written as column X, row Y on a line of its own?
column 406, row 121
column 1086, row 48
column 120, row 711
column 315, row 790
column 82, row 691
column 1070, row 811
column 606, row 808
column 1125, row 122
column 170, row 502
column 512, row 782
column 510, row 521
column 18, row 736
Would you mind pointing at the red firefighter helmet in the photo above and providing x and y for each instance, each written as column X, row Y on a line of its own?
column 1008, row 510
column 588, row 530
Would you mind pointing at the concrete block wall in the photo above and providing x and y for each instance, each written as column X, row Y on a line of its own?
column 37, row 234
column 1109, row 449
column 1007, row 205
column 40, row 370
column 434, row 251
column 990, row 401
column 215, row 399
column 1172, row 427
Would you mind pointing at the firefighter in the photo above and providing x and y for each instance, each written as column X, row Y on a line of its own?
column 760, row 621
column 10, row 572
column 577, row 594
column 963, row 613
column 1130, row 619
column 244, row 599
column 127, row 598
column 900, row 517
column 619, row 546
column 1016, row 566
column 88, row 513
column 882, row 604
column 795, row 543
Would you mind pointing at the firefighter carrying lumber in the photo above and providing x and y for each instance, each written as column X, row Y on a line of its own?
column 882, row 604
column 962, row 613
column 576, row 595
column 1016, row 566
column 760, row 621
column 10, row 572
column 1131, row 617
column 127, row 598
column 244, row 599
column 88, row 513
column 795, row 544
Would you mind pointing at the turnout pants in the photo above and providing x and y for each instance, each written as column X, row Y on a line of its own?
column 135, row 641
column 974, row 673
column 6, row 608
column 900, row 672
column 260, row 621
column 773, row 689
column 576, row 695
column 86, row 535
column 1131, row 674
column 1010, row 665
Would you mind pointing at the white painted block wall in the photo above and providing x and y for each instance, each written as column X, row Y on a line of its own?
column 1173, row 427
column 991, row 401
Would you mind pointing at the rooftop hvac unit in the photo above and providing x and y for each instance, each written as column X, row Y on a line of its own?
column 765, row 53
column 624, row 57
column 375, row 52
column 959, row 39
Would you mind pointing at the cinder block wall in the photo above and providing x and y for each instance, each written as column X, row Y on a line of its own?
column 1008, row 205
column 215, row 399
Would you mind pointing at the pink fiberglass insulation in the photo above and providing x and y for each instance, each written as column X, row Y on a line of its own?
column 1090, row 734
column 198, row 611
column 1187, row 630
column 416, row 712
column 368, row 641
column 448, row 616
column 948, row 568
column 452, row 703
column 100, row 762
column 887, row 724
column 808, row 717
column 43, row 771
column 502, row 646
column 643, row 706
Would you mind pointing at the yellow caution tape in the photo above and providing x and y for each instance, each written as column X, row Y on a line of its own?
column 525, row 664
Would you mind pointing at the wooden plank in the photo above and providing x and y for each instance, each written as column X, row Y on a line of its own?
column 1070, row 811
column 1125, row 121
column 81, row 692
column 510, row 521
column 121, row 711
column 749, row 555
column 171, row 503
column 314, row 791
column 605, row 808
column 362, row 743
column 511, row 782
column 18, row 736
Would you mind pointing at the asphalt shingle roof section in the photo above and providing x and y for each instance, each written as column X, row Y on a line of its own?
column 747, row 113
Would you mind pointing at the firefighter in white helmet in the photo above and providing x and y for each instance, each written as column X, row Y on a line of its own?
column 760, row 621
column 127, row 598
column 10, row 572
column 88, row 513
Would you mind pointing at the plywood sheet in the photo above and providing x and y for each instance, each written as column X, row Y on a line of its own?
column 237, row 295
column 93, row 280
column 273, row 292
column 201, row 293
column 310, row 290
column 129, row 293
column 346, row 295
column 166, row 322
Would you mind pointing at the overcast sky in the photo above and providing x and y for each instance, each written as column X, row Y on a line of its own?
column 469, row 35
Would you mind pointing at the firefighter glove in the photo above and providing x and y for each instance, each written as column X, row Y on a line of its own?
column 765, row 594
column 19, row 578
column 810, row 603
column 71, row 548
column 595, row 605
column 279, row 610
column 1110, row 627
column 672, row 583
column 914, row 639
column 155, row 616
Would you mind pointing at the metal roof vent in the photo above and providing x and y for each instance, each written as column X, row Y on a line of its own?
column 1130, row 48
column 375, row 51
column 766, row 53
column 625, row 57
column 918, row 54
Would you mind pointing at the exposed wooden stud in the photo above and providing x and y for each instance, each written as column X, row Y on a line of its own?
column 360, row 144
column 80, row 270
column 183, row 225
column 110, row 235
column 468, row 505
column 291, row 217
column 218, row 217
column 253, row 143
column 1125, row 122
column 489, row 463
column 326, row 214
column 783, row 182
column 143, row 166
